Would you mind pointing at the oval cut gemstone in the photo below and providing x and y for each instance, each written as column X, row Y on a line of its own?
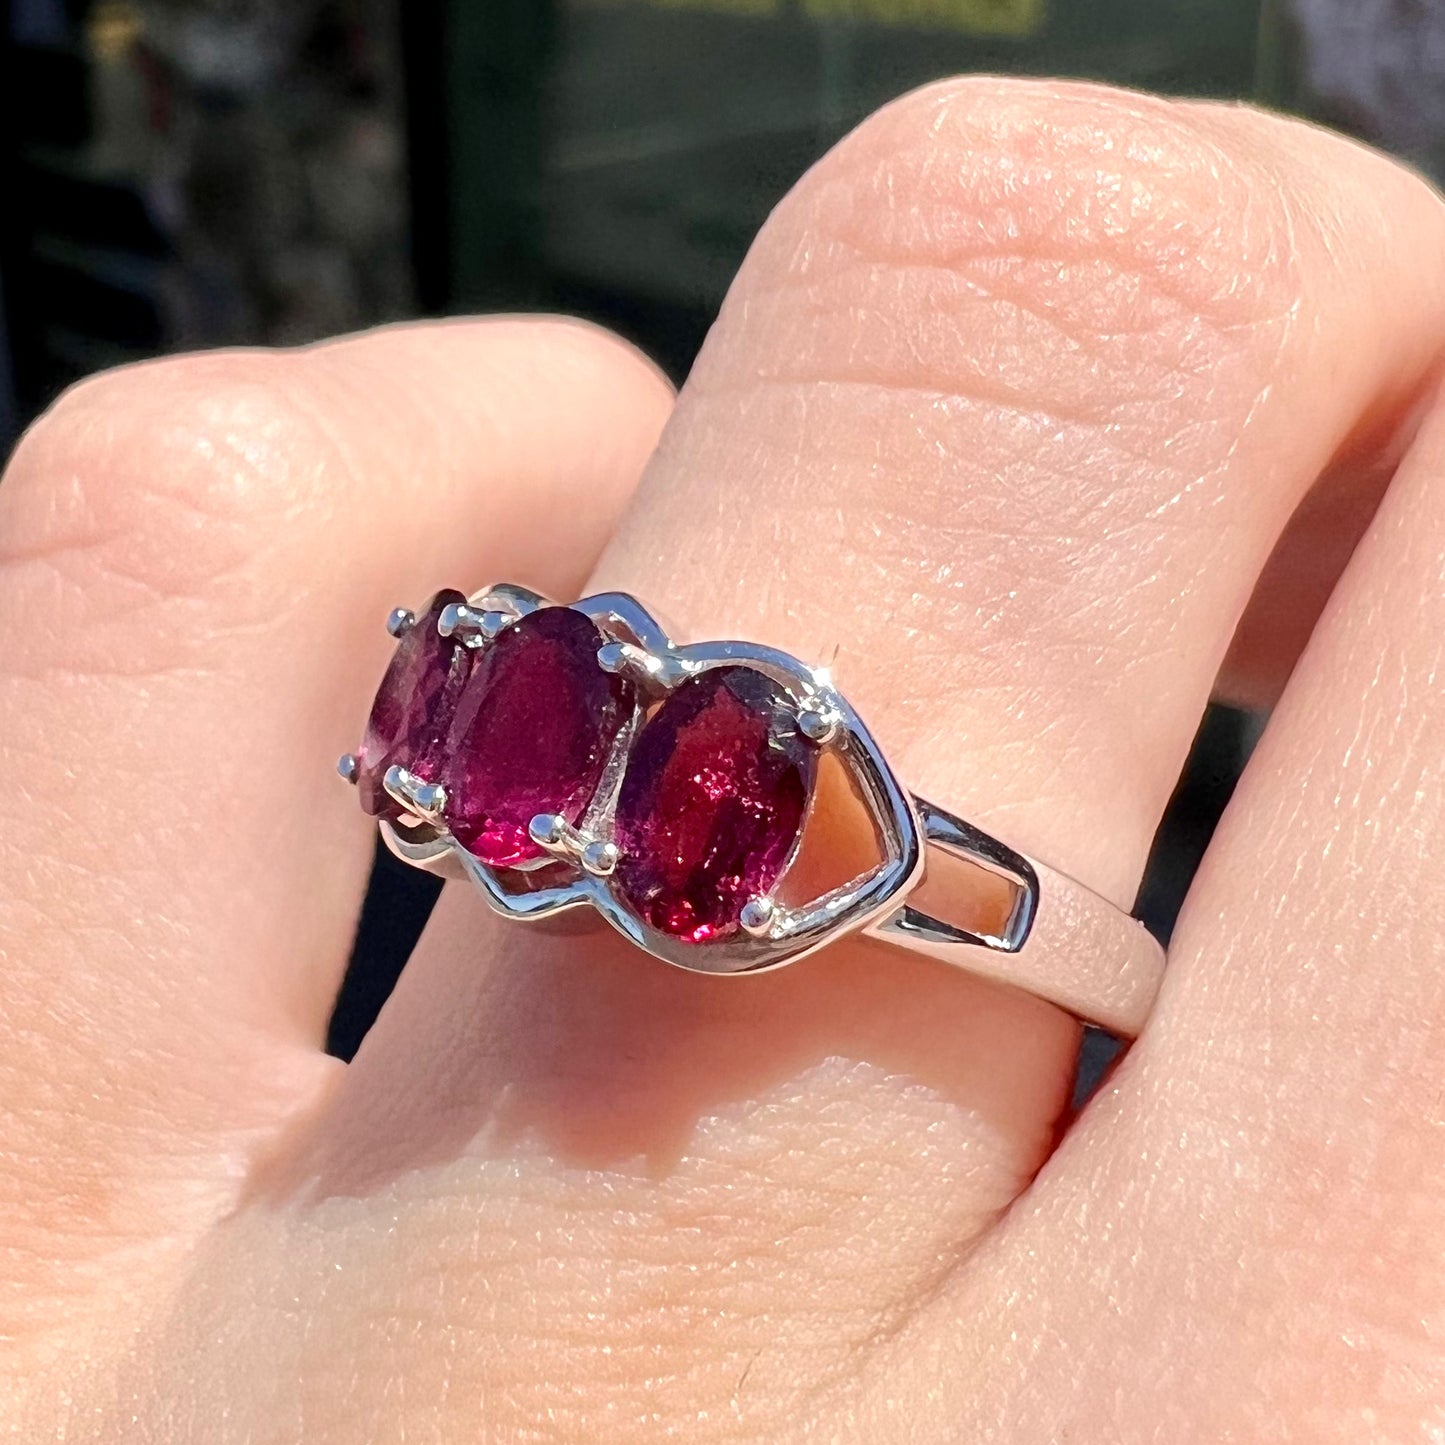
column 413, row 708
column 712, row 803
column 532, row 734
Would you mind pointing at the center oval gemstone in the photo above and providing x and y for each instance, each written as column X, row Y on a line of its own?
column 532, row 734
column 712, row 803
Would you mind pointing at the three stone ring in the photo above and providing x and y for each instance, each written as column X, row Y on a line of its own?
column 719, row 803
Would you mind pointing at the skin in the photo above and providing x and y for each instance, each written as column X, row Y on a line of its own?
column 1006, row 418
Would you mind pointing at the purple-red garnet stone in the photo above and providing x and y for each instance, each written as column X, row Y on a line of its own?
column 712, row 803
column 532, row 734
column 413, row 708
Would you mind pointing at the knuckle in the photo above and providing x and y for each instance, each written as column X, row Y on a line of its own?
column 1080, row 212
column 163, row 481
column 1072, row 174
column 1042, row 296
column 1094, row 226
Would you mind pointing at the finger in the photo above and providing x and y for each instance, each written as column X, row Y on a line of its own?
column 1004, row 415
column 198, row 556
column 1308, row 558
column 1266, row 1174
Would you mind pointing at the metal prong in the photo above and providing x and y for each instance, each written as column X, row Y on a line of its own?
column 461, row 619
column 621, row 657
column 549, row 831
column 757, row 917
column 599, row 858
column 401, row 621
column 628, row 660
column 554, row 833
column 430, row 799
column 422, row 800
column 349, row 766
column 817, row 721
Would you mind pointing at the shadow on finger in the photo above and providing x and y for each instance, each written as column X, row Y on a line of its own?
column 584, row 1051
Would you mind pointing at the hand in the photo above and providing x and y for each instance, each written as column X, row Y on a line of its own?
column 1009, row 406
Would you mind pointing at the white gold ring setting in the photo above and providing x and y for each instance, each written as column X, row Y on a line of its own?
column 575, row 756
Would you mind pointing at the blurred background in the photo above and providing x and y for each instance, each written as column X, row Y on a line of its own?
column 184, row 173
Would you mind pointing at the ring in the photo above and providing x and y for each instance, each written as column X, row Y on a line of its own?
column 719, row 803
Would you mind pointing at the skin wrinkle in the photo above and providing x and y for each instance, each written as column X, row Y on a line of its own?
column 427, row 1196
column 1182, row 492
column 1031, row 285
column 1057, row 209
column 918, row 510
column 197, row 552
column 988, row 378
column 979, row 396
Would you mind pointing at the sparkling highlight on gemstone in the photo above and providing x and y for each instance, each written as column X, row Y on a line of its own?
column 532, row 734
column 413, row 708
column 712, row 803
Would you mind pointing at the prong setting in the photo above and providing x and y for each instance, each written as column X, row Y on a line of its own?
column 599, row 858
column 819, row 721
column 474, row 626
column 599, row 873
column 549, row 831
column 400, row 621
column 348, row 765
column 622, row 657
column 758, row 916
column 421, row 799
column 594, row 856
column 430, row 798
column 648, row 669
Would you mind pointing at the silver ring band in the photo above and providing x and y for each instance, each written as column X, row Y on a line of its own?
column 1074, row 948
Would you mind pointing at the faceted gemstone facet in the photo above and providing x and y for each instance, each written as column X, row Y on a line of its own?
column 532, row 734
column 712, row 803
column 413, row 708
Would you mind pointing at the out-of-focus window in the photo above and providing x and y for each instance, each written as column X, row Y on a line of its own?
column 183, row 173
column 1374, row 68
column 618, row 155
